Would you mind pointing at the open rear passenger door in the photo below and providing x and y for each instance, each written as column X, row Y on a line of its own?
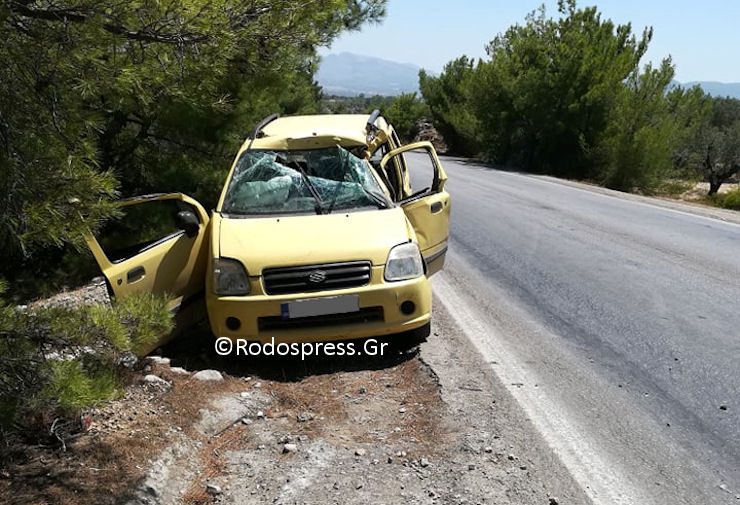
column 427, row 206
column 158, row 246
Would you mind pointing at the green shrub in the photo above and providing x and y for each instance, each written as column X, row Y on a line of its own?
column 449, row 100
column 56, row 361
column 134, row 322
column 404, row 113
column 74, row 385
column 729, row 200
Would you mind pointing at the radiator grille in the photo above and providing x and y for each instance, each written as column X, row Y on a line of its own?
column 303, row 279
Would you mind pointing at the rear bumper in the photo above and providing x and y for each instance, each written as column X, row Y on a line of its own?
column 380, row 313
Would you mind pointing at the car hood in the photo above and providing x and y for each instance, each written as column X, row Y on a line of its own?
column 261, row 243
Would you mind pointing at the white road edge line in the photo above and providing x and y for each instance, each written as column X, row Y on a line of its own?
column 602, row 481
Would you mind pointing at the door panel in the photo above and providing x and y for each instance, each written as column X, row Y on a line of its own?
column 149, row 251
column 430, row 217
column 428, row 206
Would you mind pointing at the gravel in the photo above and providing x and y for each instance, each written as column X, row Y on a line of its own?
column 304, row 417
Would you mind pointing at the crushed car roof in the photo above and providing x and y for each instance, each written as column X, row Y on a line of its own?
column 306, row 132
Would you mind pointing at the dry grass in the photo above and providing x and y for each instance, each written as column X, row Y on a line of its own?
column 107, row 463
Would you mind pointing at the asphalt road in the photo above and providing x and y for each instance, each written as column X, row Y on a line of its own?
column 615, row 323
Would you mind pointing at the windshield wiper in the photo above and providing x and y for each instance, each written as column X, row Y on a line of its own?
column 311, row 188
column 298, row 168
column 383, row 202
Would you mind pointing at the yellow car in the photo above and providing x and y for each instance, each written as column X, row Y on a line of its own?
column 319, row 234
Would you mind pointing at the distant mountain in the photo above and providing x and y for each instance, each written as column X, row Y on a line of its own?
column 348, row 74
column 722, row 89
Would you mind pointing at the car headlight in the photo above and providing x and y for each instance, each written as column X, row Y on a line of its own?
column 404, row 262
column 229, row 277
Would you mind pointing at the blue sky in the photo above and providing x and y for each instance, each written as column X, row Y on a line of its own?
column 702, row 37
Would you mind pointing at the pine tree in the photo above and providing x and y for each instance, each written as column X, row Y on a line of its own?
column 105, row 98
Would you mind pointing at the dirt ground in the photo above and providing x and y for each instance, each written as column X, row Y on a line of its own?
column 421, row 425
column 697, row 194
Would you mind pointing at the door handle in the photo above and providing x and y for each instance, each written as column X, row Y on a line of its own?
column 436, row 207
column 135, row 274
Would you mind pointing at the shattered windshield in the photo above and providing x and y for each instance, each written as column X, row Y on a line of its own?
column 317, row 180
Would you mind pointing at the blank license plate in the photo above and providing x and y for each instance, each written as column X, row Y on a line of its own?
column 320, row 306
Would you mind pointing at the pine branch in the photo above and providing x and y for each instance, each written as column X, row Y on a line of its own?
column 70, row 15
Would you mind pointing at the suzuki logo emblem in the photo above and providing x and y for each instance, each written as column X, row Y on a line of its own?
column 317, row 277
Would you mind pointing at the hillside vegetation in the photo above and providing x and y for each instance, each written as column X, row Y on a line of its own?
column 568, row 96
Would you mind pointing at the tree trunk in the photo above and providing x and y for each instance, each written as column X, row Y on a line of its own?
column 714, row 183
column 714, row 180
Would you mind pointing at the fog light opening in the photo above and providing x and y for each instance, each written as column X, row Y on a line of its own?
column 233, row 323
column 408, row 307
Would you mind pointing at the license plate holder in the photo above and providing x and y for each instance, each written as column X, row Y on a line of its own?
column 312, row 307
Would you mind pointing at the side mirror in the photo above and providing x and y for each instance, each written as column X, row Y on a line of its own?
column 188, row 222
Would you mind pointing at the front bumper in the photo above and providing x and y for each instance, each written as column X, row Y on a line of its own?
column 380, row 312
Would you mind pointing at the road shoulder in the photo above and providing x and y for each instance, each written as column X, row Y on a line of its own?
column 494, row 421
